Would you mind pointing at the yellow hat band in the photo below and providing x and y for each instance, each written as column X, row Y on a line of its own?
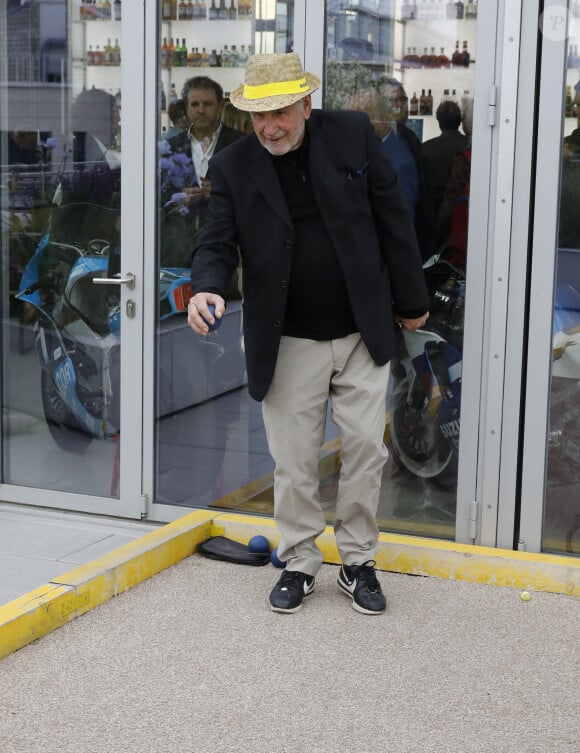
column 278, row 87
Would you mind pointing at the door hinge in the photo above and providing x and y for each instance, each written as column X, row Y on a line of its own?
column 144, row 505
column 492, row 106
column 473, row 513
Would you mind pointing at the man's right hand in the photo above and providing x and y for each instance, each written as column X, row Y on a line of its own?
column 198, row 313
column 196, row 193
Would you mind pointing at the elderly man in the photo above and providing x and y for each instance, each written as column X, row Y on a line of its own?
column 330, row 263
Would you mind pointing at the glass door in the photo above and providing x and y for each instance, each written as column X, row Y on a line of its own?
column 550, row 516
column 71, row 254
column 421, row 73
column 208, row 439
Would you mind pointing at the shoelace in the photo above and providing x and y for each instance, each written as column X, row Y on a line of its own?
column 289, row 577
column 367, row 578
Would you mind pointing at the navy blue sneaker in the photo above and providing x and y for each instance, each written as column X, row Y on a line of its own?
column 288, row 594
column 361, row 584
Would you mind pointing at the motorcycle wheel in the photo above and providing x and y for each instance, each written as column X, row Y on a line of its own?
column 414, row 441
column 62, row 425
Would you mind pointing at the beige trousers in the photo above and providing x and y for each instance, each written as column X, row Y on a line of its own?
column 309, row 373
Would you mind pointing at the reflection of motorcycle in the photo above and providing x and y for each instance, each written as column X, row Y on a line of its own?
column 78, row 323
column 424, row 396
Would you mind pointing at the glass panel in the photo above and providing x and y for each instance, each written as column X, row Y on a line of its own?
column 60, row 158
column 210, row 439
column 561, row 531
column 410, row 66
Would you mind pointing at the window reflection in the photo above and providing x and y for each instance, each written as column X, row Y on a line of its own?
column 410, row 67
column 561, row 513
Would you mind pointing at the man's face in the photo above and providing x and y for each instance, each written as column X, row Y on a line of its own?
column 282, row 131
column 204, row 110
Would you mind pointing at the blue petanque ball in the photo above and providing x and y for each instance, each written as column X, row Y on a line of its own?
column 217, row 322
column 274, row 559
column 259, row 544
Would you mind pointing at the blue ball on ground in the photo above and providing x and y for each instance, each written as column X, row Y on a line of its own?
column 259, row 545
column 217, row 322
column 274, row 559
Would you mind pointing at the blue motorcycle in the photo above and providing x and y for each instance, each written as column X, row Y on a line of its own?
column 424, row 396
column 78, row 323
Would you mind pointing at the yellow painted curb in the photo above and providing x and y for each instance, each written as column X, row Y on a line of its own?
column 47, row 608
column 433, row 557
column 38, row 612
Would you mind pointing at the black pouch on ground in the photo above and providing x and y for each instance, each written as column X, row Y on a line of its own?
column 222, row 548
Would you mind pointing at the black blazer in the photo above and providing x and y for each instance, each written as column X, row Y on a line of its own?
column 363, row 211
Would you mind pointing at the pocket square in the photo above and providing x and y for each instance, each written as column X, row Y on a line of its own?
column 357, row 173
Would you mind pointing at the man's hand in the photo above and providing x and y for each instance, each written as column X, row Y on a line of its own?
column 197, row 311
column 196, row 193
column 411, row 324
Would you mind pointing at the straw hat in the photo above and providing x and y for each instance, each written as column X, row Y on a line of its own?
column 272, row 82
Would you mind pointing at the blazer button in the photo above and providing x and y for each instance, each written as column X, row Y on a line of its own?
column 276, row 323
column 288, row 244
column 284, row 284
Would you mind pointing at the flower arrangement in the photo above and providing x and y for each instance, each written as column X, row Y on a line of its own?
column 176, row 172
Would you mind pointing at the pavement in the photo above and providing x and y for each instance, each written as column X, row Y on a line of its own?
column 160, row 650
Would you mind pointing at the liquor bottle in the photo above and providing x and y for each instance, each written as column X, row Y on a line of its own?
column 173, row 95
column 457, row 57
column 465, row 56
column 166, row 10
column 182, row 11
column 454, row 10
column 189, row 10
column 429, row 103
column 84, row 11
column 196, row 58
column 423, row 103
column 223, row 11
column 443, row 59
column 471, row 10
column 173, row 4
column 190, row 58
column 202, row 10
column 116, row 53
column 434, row 61
column 91, row 58
column 213, row 59
column 234, row 57
column 244, row 8
column 232, row 12
column 171, row 54
column 567, row 107
column 225, row 57
column 414, row 105
column 99, row 10
column 162, row 97
column 204, row 58
column 107, row 10
column 108, row 52
column 117, row 12
column 213, row 11
column 243, row 56
column 424, row 59
column 164, row 56
column 98, row 56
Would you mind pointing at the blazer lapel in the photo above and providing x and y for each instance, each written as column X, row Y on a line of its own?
column 262, row 173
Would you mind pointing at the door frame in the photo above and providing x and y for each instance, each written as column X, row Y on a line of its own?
column 130, row 503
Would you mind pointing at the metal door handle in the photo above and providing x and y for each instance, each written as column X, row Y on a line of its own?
column 128, row 280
